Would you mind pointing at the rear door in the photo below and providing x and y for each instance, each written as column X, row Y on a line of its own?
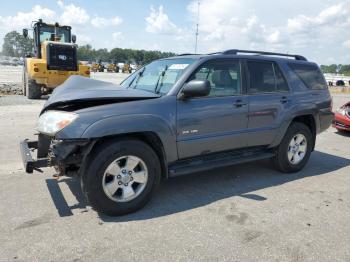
column 268, row 98
column 213, row 123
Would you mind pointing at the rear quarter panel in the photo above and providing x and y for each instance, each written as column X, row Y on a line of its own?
column 305, row 101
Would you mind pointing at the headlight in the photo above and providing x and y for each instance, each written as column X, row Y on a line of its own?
column 53, row 121
column 345, row 111
column 341, row 111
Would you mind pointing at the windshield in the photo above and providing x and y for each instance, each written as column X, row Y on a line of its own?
column 47, row 34
column 158, row 76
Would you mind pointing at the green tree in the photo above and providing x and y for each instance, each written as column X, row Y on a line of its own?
column 344, row 69
column 120, row 55
column 85, row 53
column 329, row 68
column 102, row 54
column 15, row 44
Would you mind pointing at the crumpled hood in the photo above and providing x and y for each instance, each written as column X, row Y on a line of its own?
column 80, row 90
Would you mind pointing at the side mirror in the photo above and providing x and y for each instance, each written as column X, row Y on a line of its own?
column 25, row 33
column 74, row 38
column 196, row 88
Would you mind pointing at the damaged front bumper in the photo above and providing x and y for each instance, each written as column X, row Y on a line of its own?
column 30, row 164
column 66, row 156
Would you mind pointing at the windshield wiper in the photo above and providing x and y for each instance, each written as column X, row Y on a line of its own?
column 160, row 80
column 137, row 78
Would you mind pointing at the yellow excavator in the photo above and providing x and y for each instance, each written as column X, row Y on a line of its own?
column 54, row 60
column 113, row 67
column 98, row 67
column 127, row 68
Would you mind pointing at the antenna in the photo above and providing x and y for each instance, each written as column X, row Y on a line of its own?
column 197, row 25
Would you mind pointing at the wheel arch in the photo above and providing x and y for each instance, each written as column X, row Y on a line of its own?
column 148, row 137
column 309, row 119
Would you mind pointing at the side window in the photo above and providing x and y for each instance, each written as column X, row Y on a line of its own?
column 202, row 74
column 281, row 84
column 261, row 76
column 310, row 75
column 224, row 77
column 265, row 77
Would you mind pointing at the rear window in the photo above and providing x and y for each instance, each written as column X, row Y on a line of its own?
column 310, row 75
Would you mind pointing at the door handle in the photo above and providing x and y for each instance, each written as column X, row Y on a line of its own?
column 239, row 103
column 284, row 99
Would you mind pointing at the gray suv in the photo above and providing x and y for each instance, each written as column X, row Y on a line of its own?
column 178, row 116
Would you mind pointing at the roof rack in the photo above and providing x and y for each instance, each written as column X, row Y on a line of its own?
column 235, row 51
column 215, row 53
column 184, row 54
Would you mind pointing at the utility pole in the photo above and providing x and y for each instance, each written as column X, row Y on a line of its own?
column 197, row 25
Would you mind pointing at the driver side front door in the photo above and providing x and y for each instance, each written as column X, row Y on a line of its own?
column 216, row 122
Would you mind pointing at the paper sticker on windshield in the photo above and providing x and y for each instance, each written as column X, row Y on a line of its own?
column 178, row 66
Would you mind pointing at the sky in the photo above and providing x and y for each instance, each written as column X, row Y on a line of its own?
column 317, row 29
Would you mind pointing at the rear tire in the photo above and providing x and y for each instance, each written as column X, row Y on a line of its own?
column 106, row 163
column 32, row 89
column 295, row 148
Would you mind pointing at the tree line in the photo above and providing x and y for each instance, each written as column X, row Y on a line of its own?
column 120, row 55
column 336, row 69
column 16, row 45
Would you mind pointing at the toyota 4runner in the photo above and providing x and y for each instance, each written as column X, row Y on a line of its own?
column 177, row 116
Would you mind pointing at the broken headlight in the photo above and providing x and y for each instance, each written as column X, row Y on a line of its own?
column 53, row 121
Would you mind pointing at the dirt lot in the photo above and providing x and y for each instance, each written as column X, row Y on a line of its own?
column 243, row 213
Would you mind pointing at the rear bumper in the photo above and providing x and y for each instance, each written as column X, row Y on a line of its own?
column 29, row 163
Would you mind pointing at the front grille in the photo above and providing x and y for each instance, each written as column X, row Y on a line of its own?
column 62, row 57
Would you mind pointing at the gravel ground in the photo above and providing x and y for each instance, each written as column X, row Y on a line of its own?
column 247, row 212
column 10, row 80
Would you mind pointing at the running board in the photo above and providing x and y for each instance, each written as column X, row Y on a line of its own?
column 203, row 163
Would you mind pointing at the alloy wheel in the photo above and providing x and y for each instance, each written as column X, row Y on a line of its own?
column 297, row 149
column 125, row 178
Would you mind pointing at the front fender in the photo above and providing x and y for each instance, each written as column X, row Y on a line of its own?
column 126, row 124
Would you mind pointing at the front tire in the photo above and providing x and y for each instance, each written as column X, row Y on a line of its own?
column 32, row 89
column 295, row 148
column 121, row 176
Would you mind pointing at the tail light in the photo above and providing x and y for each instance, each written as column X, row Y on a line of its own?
column 87, row 72
column 36, row 69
